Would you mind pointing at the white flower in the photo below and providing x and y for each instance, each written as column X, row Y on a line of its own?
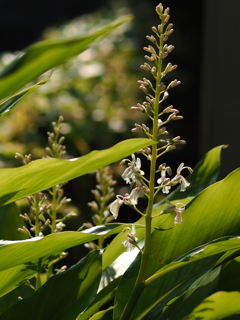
column 115, row 205
column 135, row 194
column 180, row 179
column 173, row 208
column 131, row 173
column 164, row 180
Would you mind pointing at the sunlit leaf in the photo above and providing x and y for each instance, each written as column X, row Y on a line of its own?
column 47, row 54
column 217, row 306
column 176, row 277
column 15, row 253
column 17, row 183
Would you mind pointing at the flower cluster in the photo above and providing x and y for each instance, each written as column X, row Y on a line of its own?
column 133, row 175
column 156, row 93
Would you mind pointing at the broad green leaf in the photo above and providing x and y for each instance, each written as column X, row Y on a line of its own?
column 101, row 298
column 176, row 277
column 214, row 213
column 229, row 278
column 47, row 54
column 17, row 183
column 64, row 295
column 9, row 103
column 12, row 297
column 15, row 253
column 217, row 306
column 13, row 277
column 205, row 173
column 199, row 290
column 10, row 222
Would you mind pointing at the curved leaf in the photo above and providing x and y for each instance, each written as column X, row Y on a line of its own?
column 199, row 290
column 44, row 173
column 175, row 278
column 9, row 103
column 14, row 253
column 47, row 54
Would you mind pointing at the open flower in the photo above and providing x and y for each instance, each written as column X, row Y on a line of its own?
column 136, row 193
column 115, row 205
column 180, row 179
column 164, row 180
column 173, row 208
column 131, row 172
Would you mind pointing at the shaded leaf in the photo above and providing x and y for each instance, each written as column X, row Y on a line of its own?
column 200, row 289
column 47, row 54
column 11, row 298
column 175, row 278
column 44, row 173
column 64, row 295
column 229, row 278
column 10, row 222
column 101, row 298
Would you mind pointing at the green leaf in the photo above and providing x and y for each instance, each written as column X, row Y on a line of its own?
column 200, row 289
column 64, row 295
column 13, row 277
column 10, row 222
column 9, row 103
column 205, row 173
column 217, row 306
column 229, row 278
column 99, row 315
column 101, row 298
column 12, row 297
column 47, row 54
column 210, row 215
column 15, row 253
column 17, row 183
column 175, row 278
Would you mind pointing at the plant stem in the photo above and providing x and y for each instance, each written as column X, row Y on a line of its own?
column 54, row 218
column 140, row 281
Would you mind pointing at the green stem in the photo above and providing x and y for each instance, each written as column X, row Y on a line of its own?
column 38, row 281
column 140, row 281
column 54, row 219
column 37, row 231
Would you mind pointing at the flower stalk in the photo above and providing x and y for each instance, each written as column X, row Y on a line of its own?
column 156, row 95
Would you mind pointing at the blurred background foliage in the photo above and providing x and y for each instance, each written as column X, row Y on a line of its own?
column 94, row 93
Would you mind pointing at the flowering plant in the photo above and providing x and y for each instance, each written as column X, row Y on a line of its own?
column 176, row 262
